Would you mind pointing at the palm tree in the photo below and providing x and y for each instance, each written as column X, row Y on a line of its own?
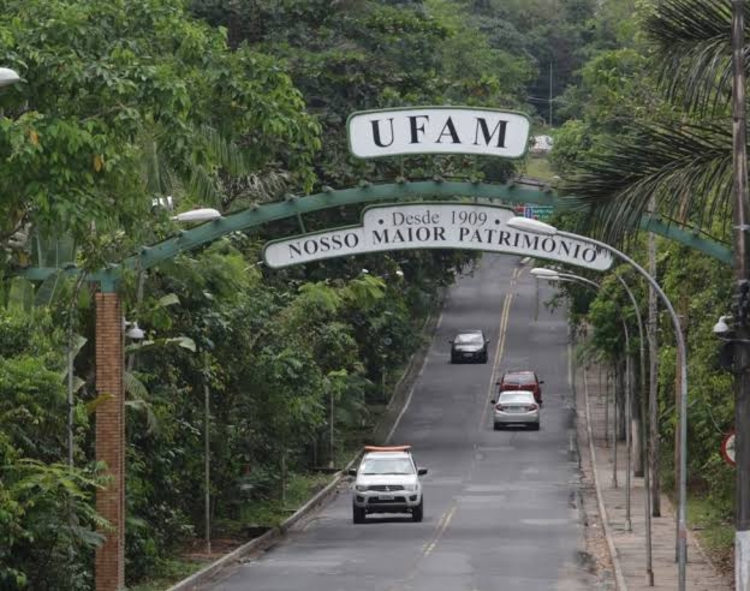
column 678, row 165
column 683, row 164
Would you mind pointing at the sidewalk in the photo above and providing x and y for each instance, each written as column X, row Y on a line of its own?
column 630, row 547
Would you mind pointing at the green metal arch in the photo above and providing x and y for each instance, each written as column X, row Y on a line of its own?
column 366, row 193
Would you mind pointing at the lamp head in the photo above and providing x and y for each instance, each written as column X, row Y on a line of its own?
column 721, row 328
column 8, row 77
column 197, row 215
column 135, row 332
column 544, row 272
column 531, row 225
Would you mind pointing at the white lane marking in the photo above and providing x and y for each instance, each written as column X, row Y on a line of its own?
column 401, row 414
column 505, row 314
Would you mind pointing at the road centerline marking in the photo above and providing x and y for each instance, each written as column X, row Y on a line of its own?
column 441, row 529
column 502, row 335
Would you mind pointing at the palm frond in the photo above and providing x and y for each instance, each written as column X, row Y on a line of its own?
column 155, row 169
column 225, row 153
column 202, row 187
column 255, row 188
column 692, row 40
column 687, row 170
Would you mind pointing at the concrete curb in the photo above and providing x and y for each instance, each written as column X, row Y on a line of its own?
column 276, row 534
column 619, row 577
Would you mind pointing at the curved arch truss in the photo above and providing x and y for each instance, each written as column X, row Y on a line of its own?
column 512, row 194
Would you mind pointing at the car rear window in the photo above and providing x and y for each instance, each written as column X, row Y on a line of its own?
column 469, row 338
column 524, row 379
column 509, row 397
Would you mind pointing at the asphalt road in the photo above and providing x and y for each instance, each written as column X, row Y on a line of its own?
column 500, row 506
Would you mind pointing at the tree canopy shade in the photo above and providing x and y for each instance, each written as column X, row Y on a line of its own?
column 97, row 77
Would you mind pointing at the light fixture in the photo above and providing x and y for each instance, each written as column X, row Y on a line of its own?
column 721, row 327
column 205, row 214
column 135, row 332
column 8, row 77
column 531, row 225
column 544, row 272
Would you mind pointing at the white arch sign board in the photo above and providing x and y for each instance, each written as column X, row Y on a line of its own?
column 438, row 130
column 407, row 226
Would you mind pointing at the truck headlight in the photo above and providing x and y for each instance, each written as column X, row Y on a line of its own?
column 361, row 488
column 410, row 487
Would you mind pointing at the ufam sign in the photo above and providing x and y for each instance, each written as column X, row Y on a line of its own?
column 438, row 130
column 433, row 225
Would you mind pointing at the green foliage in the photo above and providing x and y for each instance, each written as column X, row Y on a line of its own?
column 135, row 99
column 48, row 525
column 97, row 79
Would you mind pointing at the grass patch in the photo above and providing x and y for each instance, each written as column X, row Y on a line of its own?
column 172, row 571
column 299, row 489
column 539, row 168
column 714, row 530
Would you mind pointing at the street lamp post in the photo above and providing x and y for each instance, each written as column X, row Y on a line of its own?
column 532, row 225
column 552, row 275
column 741, row 226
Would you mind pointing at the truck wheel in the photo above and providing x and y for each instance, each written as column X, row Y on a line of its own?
column 418, row 512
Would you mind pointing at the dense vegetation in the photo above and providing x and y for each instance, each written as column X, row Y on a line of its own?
column 650, row 131
column 225, row 104
column 125, row 104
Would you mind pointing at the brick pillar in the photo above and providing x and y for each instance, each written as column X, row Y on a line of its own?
column 110, row 440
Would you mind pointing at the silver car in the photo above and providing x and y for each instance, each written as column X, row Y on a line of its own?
column 516, row 407
column 387, row 481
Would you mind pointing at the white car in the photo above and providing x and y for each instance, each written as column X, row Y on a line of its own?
column 387, row 481
column 516, row 407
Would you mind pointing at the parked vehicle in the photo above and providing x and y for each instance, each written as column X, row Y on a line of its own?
column 387, row 481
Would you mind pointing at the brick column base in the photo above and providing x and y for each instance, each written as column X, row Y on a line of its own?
column 110, row 440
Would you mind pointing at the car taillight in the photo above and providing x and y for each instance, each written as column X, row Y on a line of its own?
column 532, row 407
column 500, row 407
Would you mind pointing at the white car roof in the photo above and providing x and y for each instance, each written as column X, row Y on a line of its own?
column 387, row 454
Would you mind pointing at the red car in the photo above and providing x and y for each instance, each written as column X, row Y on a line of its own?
column 522, row 380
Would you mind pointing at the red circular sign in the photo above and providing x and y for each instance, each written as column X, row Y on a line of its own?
column 727, row 448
